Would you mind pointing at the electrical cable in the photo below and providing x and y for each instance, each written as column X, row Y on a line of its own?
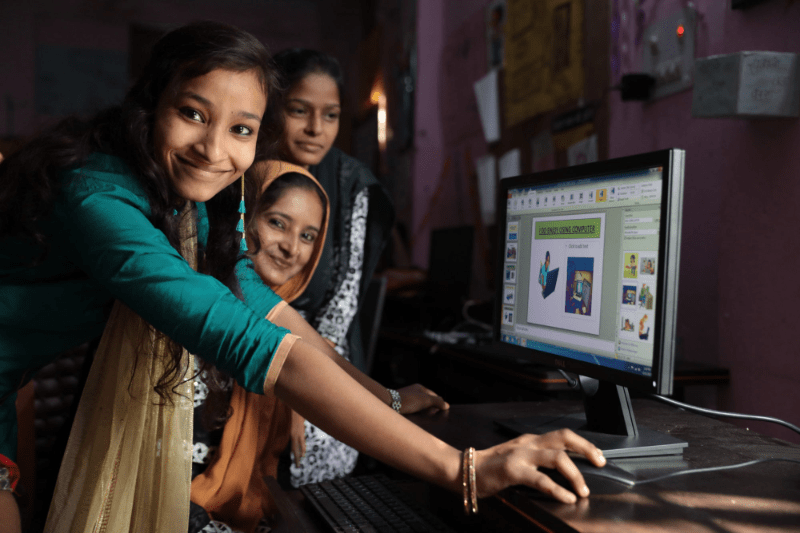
column 712, row 412
column 571, row 382
column 469, row 319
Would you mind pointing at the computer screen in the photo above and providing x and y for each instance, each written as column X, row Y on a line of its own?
column 589, row 260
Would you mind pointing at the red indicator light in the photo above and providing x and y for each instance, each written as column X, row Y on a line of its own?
column 680, row 31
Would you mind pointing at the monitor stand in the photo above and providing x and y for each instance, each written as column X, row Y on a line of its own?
column 608, row 423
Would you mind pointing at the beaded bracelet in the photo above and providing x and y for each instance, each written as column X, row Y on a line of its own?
column 396, row 400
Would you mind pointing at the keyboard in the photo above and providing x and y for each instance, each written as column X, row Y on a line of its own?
column 370, row 503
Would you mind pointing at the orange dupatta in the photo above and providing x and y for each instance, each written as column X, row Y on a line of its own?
column 232, row 489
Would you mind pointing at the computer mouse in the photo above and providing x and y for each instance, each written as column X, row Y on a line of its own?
column 609, row 479
column 610, row 471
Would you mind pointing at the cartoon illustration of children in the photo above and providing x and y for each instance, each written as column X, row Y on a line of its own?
column 642, row 333
column 632, row 266
column 543, row 268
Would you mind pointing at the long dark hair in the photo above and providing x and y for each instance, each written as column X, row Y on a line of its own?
column 30, row 178
column 295, row 64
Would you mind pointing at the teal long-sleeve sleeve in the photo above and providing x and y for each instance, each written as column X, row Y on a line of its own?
column 103, row 247
column 101, row 226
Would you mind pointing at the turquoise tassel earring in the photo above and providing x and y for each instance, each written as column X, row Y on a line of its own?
column 240, row 225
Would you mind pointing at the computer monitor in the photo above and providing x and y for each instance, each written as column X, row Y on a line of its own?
column 449, row 277
column 450, row 263
column 613, row 230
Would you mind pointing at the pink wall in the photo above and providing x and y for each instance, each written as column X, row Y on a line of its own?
column 428, row 142
column 740, row 201
column 451, row 53
column 740, row 213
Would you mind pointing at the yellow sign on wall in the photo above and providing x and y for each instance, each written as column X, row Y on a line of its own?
column 544, row 56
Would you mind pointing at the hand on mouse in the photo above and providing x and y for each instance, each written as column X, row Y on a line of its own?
column 518, row 462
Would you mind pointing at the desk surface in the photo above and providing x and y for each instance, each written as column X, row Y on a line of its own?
column 757, row 498
column 765, row 497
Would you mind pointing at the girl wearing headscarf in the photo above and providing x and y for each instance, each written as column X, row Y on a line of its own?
column 228, row 485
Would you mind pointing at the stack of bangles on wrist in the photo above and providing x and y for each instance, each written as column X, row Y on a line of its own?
column 468, row 482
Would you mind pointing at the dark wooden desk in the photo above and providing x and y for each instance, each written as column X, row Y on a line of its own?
column 757, row 498
column 760, row 498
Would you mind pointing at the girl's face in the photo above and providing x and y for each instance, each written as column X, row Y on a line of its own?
column 312, row 119
column 288, row 231
column 206, row 129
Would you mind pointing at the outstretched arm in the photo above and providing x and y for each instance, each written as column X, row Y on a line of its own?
column 317, row 388
column 414, row 397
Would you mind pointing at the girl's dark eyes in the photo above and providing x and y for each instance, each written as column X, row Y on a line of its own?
column 242, row 130
column 302, row 111
column 310, row 237
column 277, row 223
column 191, row 114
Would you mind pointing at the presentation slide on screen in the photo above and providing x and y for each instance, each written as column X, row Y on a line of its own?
column 567, row 272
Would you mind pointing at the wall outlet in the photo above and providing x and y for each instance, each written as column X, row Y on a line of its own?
column 668, row 52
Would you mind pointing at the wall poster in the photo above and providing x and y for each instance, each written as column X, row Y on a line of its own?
column 544, row 56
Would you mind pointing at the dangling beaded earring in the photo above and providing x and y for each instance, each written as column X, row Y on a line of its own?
column 240, row 225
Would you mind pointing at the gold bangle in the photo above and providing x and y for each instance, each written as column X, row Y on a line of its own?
column 464, row 481
column 469, row 482
column 473, row 481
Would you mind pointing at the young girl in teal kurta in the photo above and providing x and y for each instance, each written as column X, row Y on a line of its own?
column 93, row 212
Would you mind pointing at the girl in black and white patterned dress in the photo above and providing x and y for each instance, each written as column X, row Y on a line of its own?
column 361, row 219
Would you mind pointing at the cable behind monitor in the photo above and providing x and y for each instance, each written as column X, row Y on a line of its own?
column 712, row 412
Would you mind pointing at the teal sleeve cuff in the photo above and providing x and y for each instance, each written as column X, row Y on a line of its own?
column 258, row 297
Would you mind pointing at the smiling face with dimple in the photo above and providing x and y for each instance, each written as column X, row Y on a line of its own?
column 312, row 119
column 206, row 129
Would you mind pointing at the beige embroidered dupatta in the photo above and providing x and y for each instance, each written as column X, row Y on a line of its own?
column 127, row 466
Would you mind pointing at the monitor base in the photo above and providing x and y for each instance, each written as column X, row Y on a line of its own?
column 646, row 443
